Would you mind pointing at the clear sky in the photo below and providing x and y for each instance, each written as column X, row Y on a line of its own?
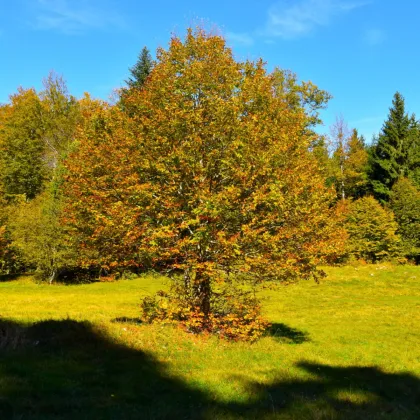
column 360, row 51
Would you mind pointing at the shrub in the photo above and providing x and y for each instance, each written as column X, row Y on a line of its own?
column 372, row 231
column 405, row 203
column 235, row 312
column 37, row 234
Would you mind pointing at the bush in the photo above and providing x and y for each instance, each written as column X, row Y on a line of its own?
column 235, row 313
column 372, row 232
column 37, row 234
column 405, row 203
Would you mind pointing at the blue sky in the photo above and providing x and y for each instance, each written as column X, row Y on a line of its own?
column 360, row 51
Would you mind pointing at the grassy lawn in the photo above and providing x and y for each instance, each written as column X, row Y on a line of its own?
column 348, row 348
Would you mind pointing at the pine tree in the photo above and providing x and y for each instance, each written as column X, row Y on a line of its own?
column 394, row 154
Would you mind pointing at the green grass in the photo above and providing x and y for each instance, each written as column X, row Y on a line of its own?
column 348, row 348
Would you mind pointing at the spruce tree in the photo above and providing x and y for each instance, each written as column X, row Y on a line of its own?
column 141, row 70
column 394, row 154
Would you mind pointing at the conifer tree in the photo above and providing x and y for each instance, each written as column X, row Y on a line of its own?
column 138, row 75
column 141, row 70
column 396, row 151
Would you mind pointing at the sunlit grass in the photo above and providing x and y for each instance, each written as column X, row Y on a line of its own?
column 340, row 349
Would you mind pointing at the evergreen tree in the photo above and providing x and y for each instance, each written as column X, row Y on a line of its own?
column 141, row 70
column 396, row 151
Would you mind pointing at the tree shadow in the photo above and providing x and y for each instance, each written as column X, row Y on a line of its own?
column 10, row 277
column 340, row 393
column 68, row 369
column 284, row 333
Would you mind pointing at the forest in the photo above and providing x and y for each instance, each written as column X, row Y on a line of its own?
column 208, row 170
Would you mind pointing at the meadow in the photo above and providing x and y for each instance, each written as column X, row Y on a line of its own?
column 347, row 348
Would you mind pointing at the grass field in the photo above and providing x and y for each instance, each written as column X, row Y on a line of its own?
column 348, row 348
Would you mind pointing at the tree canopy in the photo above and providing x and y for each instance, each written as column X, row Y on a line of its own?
column 212, row 175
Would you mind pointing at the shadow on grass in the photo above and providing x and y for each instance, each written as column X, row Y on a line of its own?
column 68, row 369
column 284, row 333
column 10, row 277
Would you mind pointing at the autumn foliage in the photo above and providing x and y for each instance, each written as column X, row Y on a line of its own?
column 372, row 231
column 210, row 175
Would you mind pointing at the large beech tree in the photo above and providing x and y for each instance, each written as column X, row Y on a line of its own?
column 212, row 175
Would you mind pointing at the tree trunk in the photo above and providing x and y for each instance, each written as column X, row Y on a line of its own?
column 52, row 276
column 202, row 293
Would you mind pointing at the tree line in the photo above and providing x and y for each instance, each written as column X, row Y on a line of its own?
column 208, row 169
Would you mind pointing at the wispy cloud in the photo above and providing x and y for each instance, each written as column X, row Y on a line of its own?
column 294, row 19
column 366, row 121
column 74, row 17
column 240, row 38
column 374, row 37
column 368, row 126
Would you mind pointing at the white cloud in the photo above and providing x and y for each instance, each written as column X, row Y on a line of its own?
column 293, row 19
column 74, row 17
column 374, row 37
column 240, row 38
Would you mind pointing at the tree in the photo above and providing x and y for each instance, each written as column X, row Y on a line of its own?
column 36, row 130
column 60, row 115
column 304, row 95
column 372, row 231
column 396, row 152
column 22, row 150
column 349, row 161
column 38, row 235
column 356, row 166
column 212, row 175
column 9, row 256
column 141, row 70
column 405, row 203
column 340, row 135
column 139, row 74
